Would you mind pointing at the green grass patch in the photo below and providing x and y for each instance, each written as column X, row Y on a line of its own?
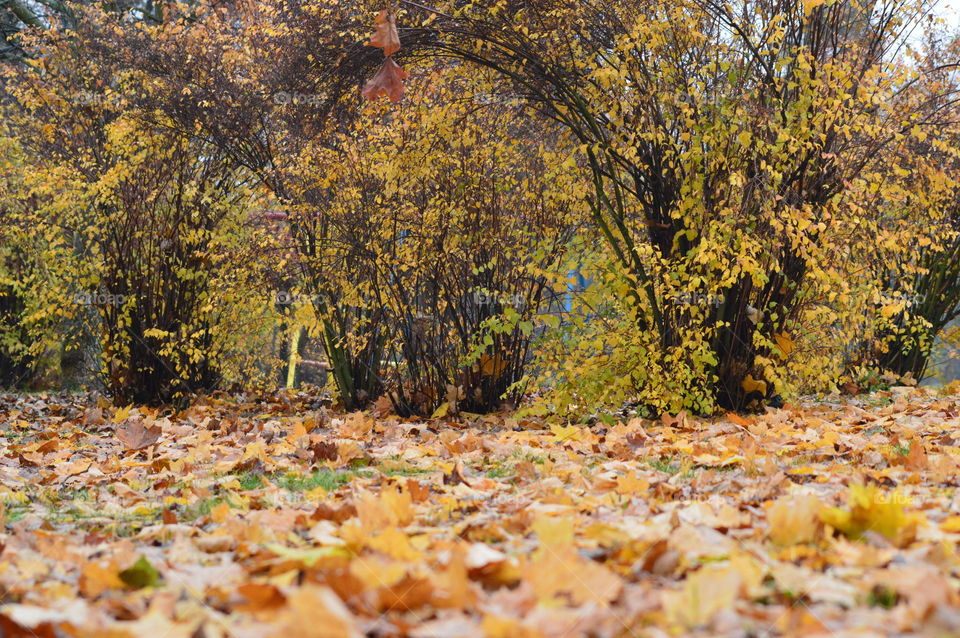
column 250, row 481
column 202, row 508
column 882, row 596
column 327, row 479
column 666, row 465
column 403, row 469
column 501, row 471
column 15, row 511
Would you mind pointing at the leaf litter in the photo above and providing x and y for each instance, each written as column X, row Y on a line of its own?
column 264, row 516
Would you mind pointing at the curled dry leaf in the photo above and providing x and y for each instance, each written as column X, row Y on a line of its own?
column 388, row 81
column 455, row 477
column 385, row 35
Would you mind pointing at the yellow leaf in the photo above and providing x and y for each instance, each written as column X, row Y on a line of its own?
column 96, row 579
column 393, row 507
column 951, row 524
column 299, row 431
column 871, row 510
column 750, row 384
column 452, row 585
column 308, row 556
column 784, row 343
column 441, row 410
column 560, row 573
column 255, row 450
column 504, row 627
column 316, row 611
column 804, row 470
column 122, row 414
column 794, row 519
column 375, row 574
column 632, row 484
column 889, row 310
column 704, row 593
column 393, row 543
column 554, row 531
column 400, row 504
column 220, row 513
column 566, row 433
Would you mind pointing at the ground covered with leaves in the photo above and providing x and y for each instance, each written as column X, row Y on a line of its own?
column 269, row 516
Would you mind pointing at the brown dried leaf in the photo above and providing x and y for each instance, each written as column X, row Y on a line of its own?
column 324, row 451
column 455, row 477
column 385, row 35
column 388, row 81
column 135, row 436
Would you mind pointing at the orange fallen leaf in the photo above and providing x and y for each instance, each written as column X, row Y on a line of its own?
column 96, row 579
column 315, row 611
column 220, row 513
column 560, row 571
column 632, row 483
column 260, row 596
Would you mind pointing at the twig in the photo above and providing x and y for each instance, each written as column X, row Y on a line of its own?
column 426, row 8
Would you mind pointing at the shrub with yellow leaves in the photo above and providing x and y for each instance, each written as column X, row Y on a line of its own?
column 723, row 173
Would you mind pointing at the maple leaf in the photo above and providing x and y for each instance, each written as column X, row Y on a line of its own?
column 388, row 81
column 136, row 436
column 96, row 579
column 560, row 571
column 324, row 451
column 385, row 35
column 93, row 416
column 710, row 589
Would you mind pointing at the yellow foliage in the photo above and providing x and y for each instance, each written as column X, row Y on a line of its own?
column 869, row 509
column 794, row 519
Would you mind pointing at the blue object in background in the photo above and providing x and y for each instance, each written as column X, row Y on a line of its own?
column 579, row 284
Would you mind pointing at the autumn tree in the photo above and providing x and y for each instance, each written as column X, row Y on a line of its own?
column 459, row 210
column 722, row 140
column 136, row 210
column 916, row 260
column 259, row 82
column 17, row 352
